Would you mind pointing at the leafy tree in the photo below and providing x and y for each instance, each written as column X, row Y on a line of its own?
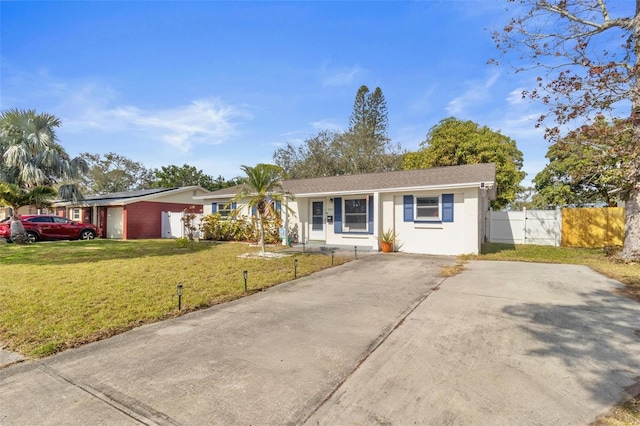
column 30, row 155
column 263, row 188
column 454, row 142
column 317, row 156
column 13, row 196
column 580, row 169
column 175, row 176
column 588, row 63
column 363, row 148
column 221, row 182
column 114, row 173
column 524, row 199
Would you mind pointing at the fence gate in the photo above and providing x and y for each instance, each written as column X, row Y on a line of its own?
column 542, row 227
column 173, row 227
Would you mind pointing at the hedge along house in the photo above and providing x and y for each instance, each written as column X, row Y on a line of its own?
column 432, row 211
column 132, row 214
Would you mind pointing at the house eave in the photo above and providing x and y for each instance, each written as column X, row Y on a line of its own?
column 479, row 185
column 106, row 202
column 484, row 184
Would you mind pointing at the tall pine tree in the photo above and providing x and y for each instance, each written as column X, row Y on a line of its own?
column 366, row 147
column 363, row 148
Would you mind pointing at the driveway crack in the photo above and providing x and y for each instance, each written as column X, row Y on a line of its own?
column 130, row 407
column 376, row 344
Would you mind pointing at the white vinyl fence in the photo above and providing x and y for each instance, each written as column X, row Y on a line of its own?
column 543, row 227
column 172, row 225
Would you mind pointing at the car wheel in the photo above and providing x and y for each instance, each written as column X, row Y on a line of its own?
column 87, row 234
column 32, row 236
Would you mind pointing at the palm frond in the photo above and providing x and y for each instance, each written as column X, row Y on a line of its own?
column 70, row 192
column 15, row 155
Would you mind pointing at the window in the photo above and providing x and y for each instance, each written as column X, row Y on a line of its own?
column 40, row 219
column 355, row 215
column 428, row 208
column 224, row 209
column 75, row 214
column 317, row 216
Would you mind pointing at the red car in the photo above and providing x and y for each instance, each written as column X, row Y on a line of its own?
column 47, row 227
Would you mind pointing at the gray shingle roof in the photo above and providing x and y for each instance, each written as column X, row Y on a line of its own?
column 127, row 194
column 421, row 178
column 127, row 197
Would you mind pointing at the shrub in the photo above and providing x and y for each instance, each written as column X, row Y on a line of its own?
column 182, row 242
column 188, row 219
column 240, row 228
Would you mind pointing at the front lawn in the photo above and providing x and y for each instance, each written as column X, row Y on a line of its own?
column 55, row 296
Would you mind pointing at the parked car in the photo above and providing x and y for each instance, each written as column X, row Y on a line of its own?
column 47, row 227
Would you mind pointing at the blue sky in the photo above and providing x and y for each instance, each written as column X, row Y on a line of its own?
column 220, row 84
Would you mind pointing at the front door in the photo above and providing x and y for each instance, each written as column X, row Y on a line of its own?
column 316, row 222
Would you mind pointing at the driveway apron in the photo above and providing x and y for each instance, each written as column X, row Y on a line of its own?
column 270, row 358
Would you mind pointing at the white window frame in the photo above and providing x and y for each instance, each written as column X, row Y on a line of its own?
column 76, row 214
column 419, row 218
column 345, row 227
column 223, row 211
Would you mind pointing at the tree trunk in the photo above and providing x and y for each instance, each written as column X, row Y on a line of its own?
column 631, row 250
column 17, row 233
column 261, row 224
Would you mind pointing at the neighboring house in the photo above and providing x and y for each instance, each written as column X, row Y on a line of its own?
column 5, row 212
column 432, row 211
column 133, row 214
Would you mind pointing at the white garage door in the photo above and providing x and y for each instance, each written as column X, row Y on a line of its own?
column 114, row 222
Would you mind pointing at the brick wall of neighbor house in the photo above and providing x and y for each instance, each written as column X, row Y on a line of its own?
column 86, row 215
column 102, row 221
column 144, row 219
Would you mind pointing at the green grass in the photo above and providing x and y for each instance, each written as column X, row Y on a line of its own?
column 55, row 296
column 627, row 413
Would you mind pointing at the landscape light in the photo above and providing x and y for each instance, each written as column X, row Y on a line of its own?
column 179, row 297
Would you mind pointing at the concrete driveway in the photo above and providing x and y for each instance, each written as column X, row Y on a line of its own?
column 368, row 342
column 504, row 343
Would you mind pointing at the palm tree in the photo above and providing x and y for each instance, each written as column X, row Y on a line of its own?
column 30, row 155
column 263, row 188
column 13, row 196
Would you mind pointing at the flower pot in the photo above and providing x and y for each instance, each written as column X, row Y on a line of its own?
column 386, row 246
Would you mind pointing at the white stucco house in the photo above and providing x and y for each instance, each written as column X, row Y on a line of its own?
column 432, row 211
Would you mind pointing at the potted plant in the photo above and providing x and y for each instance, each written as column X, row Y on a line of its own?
column 386, row 239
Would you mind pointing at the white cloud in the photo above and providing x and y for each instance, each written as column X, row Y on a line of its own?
column 341, row 76
column 425, row 102
column 326, row 124
column 476, row 92
column 94, row 107
column 515, row 97
column 202, row 121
